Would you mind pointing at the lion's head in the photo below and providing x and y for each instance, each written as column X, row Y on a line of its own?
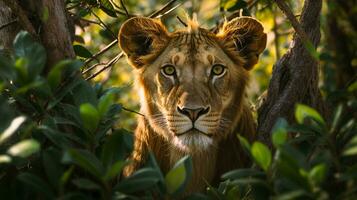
column 192, row 81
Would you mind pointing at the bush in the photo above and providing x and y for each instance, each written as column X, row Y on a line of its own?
column 59, row 141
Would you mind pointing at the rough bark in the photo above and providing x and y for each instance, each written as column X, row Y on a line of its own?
column 9, row 28
column 54, row 33
column 295, row 76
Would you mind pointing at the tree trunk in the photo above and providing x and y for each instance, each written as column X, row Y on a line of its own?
column 295, row 77
column 54, row 32
column 9, row 28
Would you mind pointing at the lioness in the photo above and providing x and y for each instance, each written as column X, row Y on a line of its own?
column 192, row 84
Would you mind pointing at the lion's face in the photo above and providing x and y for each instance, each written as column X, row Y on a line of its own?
column 191, row 82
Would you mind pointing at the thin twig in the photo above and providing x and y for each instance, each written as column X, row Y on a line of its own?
column 167, row 12
column 294, row 22
column 124, row 8
column 156, row 13
column 132, row 111
column 252, row 4
column 180, row 20
column 98, row 54
column 105, row 26
column 90, row 21
column 22, row 17
column 106, row 66
column 8, row 24
column 275, row 30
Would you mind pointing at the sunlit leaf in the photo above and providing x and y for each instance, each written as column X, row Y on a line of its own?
column 115, row 169
column 244, row 142
column 303, row 111
column 89, row 116
column 55, row 74
column 15, row 124
column 107, row 7
column 179, row 175
column 261, row 155
column 317, row 173
column 351, row 147
column 24, row 148
column 5, row 159
column 104, row 103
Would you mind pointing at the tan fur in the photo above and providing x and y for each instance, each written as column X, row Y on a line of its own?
column 169, row 132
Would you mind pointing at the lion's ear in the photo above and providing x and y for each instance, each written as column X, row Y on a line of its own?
column 141, row 39
column 245, row 36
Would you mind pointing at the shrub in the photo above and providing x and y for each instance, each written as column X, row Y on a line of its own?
column 58, row 140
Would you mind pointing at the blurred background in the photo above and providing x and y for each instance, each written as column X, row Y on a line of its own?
column 96, row 28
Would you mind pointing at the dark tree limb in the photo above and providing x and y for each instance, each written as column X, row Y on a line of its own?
column 8, row 29
column 295, row 75
column 22, row 16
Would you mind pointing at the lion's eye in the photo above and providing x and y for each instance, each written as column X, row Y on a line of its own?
column 218, row 69
column 168, row 70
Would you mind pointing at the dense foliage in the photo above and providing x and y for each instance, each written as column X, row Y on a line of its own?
column 59, row 139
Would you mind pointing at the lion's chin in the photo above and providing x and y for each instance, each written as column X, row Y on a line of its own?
column 193, row 141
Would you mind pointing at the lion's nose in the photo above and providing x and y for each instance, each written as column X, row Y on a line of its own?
column 193, row 114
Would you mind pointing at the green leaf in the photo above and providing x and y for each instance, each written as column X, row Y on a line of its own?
column 141, row 180
column 279, row 135
column 351, row 147
column 52, row 166
column 232, row 5
column 87, row 184
column 35, row 53
column 303, row 111
column 242, row 173
column 104, row 103
column 291, row 195
column 5, row 159
column 58, row 138
column 179, row 175
column 7, row 71
column 261, row 155
column 318, row 173
column 244, row 142
column 85, row 160
column 24, row 148
column 55, row 75
column 114, row 148
column 81, row 51
column 15, row 124
column 336, row 118
column 115, row 169
column 352, row 87
column 89, row 116
column 84, row 93
column 69, row 86
column 107, row 7
column 36, row 184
